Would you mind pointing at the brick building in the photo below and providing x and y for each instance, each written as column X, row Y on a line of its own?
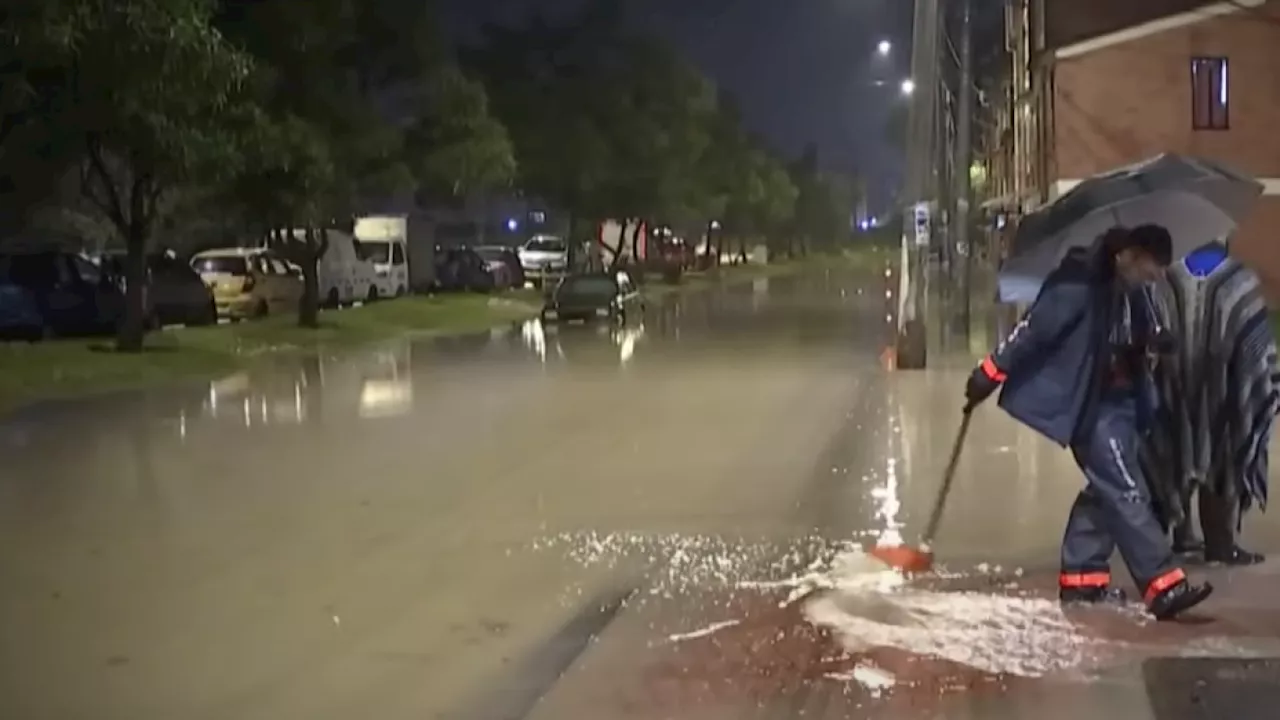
column 1093, row 84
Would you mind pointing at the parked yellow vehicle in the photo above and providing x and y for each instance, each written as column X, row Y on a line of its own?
column 249, row 282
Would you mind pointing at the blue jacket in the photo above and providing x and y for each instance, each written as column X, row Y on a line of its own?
column 1055, row 362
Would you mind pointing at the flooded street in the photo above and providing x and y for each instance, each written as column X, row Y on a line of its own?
column 644, row 522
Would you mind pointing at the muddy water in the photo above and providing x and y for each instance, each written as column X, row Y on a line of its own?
column 403, row 532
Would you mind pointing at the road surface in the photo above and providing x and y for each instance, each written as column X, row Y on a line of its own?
column 574, row 523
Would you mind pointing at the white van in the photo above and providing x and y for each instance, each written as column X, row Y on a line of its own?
column 343, row 274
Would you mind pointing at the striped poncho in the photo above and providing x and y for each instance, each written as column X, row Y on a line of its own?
column 1219, row 392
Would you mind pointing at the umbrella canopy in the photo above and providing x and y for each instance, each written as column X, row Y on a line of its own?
column 1197, row 200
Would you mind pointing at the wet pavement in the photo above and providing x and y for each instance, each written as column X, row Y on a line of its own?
column 655, row 521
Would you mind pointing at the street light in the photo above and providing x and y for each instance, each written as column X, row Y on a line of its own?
column 884, row 48
column 908, row 86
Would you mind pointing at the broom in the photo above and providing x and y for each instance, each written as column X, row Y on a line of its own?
column 919, row 559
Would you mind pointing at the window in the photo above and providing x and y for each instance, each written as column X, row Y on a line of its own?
column 221, row 265
column 397, row 254
column 87, row 271
column 545, row 243
column 589, row 286
column 1209, row 101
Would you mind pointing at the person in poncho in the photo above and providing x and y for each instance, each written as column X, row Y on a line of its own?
column 1219, row 395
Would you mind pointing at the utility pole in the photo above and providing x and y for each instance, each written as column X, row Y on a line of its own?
column 921, row 188
column 963, row 188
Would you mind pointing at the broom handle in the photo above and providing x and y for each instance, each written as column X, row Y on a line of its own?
column 935, row 519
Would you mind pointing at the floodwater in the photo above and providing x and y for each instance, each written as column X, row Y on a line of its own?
column 656, row 521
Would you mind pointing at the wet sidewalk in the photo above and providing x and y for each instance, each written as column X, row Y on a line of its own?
column 976, row 645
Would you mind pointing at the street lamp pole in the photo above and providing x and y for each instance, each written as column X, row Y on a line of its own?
column 963, row 188
column 921, row 188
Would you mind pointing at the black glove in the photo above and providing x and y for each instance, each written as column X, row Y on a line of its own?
column 979, row 388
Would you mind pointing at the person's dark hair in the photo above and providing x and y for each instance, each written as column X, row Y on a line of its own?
column 1151, row 239
column 1115, row 240
column 1112, row 242
column 1154, row 240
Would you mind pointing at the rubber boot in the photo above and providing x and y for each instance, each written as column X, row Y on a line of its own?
column 1093, row 596
column 1179, row 599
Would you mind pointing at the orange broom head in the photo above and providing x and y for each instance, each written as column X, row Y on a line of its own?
column 906, row 559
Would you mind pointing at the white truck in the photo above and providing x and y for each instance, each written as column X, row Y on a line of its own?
column 402, row 249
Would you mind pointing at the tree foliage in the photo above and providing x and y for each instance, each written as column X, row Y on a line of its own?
column 613, row 124
column 283, row 118
column 140, row 95
column 455, row 145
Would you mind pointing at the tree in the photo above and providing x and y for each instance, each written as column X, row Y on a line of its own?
column 360, row 101
column 455, row 146
column 144, row 93
column 775, row 213
column 824, row 204
column 319, row 144
column 551, row 86
column 37, row 149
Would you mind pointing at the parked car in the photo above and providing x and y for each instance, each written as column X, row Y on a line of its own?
column 544, row 257
column 465, row 269
column 613, row 296
column 176, row 294
column 71, row 295
column 19, row 315
column 510, row 260
column 248, row 282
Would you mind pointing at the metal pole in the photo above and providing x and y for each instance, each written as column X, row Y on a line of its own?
column 921, row 187
column 963, row 193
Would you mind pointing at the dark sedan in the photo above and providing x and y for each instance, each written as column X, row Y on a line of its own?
column 509, row 258
column 175, row 293
column 464, row 269
column 606, row 296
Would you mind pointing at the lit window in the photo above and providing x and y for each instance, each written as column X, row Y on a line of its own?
column 1209, row 105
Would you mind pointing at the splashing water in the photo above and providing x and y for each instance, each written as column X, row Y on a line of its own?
column 677, row 564
column 867, row 606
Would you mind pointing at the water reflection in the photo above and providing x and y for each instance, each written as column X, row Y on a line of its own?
column 604, row 342
column 376, row 383
column 392, row 380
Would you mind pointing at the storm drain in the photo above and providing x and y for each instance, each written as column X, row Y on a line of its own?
column 1213, row 688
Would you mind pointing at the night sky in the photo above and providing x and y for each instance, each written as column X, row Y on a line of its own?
column 802, row 70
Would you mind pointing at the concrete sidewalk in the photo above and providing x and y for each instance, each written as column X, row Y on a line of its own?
column 752, row 653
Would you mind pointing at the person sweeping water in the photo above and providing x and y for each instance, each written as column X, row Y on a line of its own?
column 1075, row 368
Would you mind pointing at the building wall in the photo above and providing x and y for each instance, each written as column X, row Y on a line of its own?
column 1070, row 21
column 1128, row 101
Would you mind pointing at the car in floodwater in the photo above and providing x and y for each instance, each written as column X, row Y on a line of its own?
column 594, row 296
